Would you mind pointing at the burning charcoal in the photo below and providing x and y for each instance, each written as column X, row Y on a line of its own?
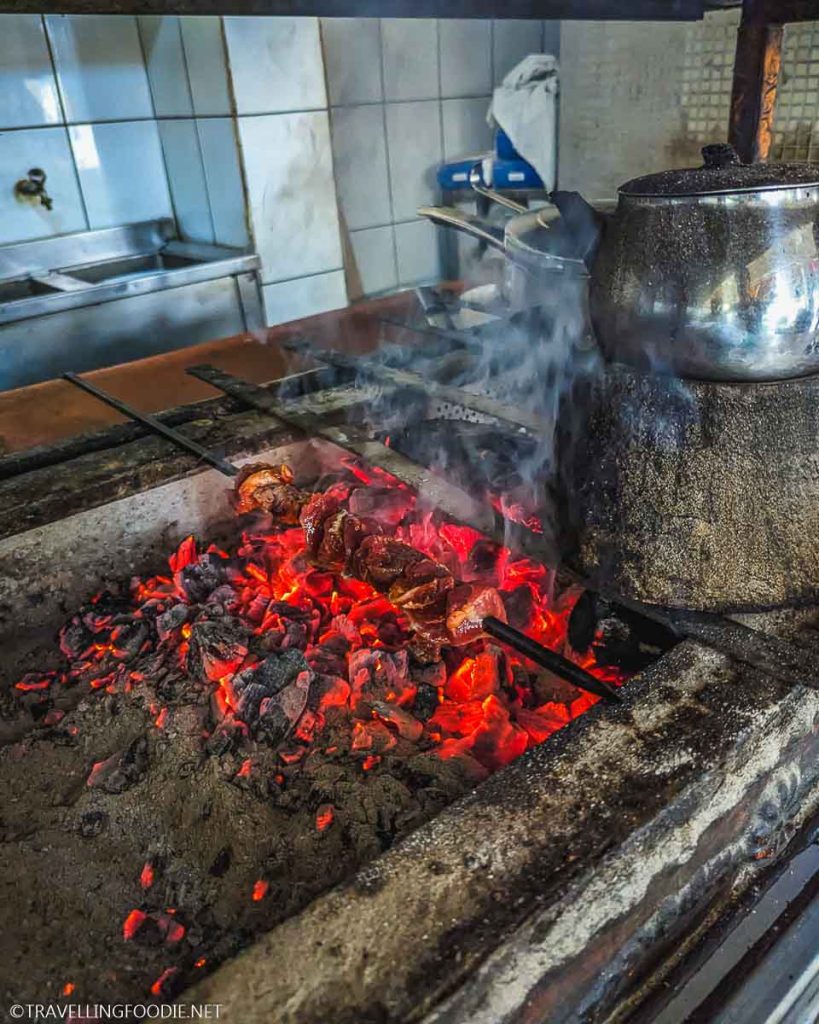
column 328, row 691
column 92, row 824
column 75, row 639
column 117, row 774
column 217, row 648
column 279, row 670
column 172, row 620
column 128, row 639
column 330, row 658
column 372, row 737
column 252, row 695
column 549, row 688
column 199, row 579
column 288, row 627
column 279, row 714
column 373, row 674
column 426, row 701
column 406, row 726
column 224, row 596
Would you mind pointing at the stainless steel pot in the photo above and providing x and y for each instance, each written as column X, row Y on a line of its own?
column 710, row 273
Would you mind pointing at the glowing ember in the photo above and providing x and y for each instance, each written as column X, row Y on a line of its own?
column 132, row 923
column 160, row 986
column 306, row 685
column 68, row 988
column 324, row 817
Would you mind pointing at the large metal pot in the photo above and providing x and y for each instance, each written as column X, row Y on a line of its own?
column 710, row 273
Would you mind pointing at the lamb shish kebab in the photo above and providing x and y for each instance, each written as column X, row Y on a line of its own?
column 441, row 611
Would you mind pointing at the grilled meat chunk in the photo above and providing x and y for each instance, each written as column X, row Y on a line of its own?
column 467, row 606
column 440, row 612
column 266, row 488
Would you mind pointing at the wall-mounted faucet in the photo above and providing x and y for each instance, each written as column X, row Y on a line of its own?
column 33, row 187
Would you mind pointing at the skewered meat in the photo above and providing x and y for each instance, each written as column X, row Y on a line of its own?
column 270, row 488
column 425, row 590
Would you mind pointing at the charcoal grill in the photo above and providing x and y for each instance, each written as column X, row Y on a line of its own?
column 569, row 885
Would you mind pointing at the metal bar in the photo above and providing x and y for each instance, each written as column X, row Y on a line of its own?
column 157, row 426
column 551, row 660
column 757, row 66
column 407, row 379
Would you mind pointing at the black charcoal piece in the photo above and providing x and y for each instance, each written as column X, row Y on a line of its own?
column 217, row 648
column 171, row 620
column 279, row 714
column 202, row 577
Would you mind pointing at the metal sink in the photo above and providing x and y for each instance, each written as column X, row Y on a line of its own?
column 78, row 302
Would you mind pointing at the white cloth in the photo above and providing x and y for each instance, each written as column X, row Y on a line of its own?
column 524, row 106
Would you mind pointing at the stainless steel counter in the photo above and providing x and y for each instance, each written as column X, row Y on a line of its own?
column 82, row 301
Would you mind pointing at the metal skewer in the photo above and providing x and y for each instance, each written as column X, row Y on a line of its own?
column 155, row 425
column 551, row 660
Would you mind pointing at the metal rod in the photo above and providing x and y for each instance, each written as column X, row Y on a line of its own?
column 551, row 660
column 157, row 426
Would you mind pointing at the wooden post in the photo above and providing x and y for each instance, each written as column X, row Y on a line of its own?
column 756, row 76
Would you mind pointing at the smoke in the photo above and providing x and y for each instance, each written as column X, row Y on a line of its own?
column 528, row 362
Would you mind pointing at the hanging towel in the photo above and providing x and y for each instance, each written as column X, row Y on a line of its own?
column 524, row 106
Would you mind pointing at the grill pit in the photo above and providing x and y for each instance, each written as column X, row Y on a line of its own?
column 562, row 883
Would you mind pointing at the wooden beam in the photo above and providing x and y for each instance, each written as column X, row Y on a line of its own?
column 612, row 10
column 757, row 65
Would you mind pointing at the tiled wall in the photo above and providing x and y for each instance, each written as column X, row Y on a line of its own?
column 104, row 105
column 312, row 141
column 639, row 97
column 404, row 95
column 281, row 114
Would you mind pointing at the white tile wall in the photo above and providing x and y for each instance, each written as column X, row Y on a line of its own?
column 513, row 39
column 352, row 60
column 223, row 175
column 276, row 64
column 415, row 152
column 410, row 58
column 186, row 178
column 466, row 131
column 466, row 57
column 417, row 248
column 100, row 70
column 305, row 296
column 373, row 268
column 121, row 170
column 165, row 61
column 28, row 90
column 206, row 61
column 360, row 164
column 291, row 193
column 23, row 219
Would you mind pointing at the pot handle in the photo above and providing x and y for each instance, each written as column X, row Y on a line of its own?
column 583, row 222
column 468, row 223
column 476, row 181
